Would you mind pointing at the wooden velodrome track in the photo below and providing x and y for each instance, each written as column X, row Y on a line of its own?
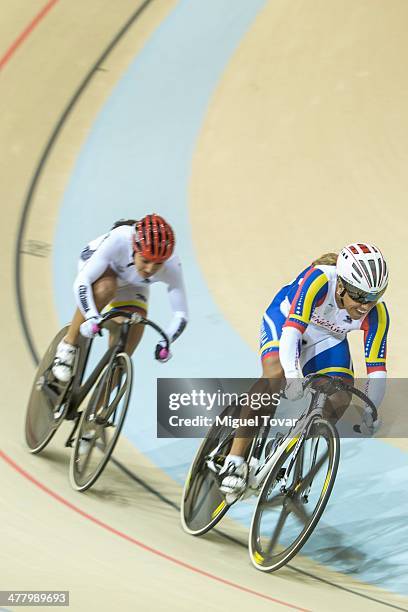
column 121, row 544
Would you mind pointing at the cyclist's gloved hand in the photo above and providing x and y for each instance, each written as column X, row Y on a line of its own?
column 90, row 328
column 368, row 426
column 161, row 353
column 294, row 387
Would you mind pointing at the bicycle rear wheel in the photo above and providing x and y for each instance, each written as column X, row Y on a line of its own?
column 291, row 503
column 42, row 421
column 101, row 423
column 203, row 504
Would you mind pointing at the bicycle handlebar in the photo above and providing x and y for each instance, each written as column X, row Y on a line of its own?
column 338, row 385
column 135, row 318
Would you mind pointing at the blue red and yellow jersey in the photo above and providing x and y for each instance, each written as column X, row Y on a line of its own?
column 375, row 326
column 306, row 296
column 311, row 300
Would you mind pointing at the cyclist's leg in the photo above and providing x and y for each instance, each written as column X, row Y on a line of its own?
column 133, row 299
column 272, row 373
column 104, row 290
column 235, row 468
column 330, row 356
column 125, row 298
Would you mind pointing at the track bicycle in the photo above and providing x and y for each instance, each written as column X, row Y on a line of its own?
column 105, row 393
column 291, row 475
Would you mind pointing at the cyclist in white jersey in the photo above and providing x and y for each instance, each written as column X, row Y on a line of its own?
column 304, row 331
column 115, row 271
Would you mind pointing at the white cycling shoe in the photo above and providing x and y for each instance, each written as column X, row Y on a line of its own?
column 63, row 366
column 235, row 480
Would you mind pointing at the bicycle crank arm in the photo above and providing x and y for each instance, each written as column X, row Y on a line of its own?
column 70, row 440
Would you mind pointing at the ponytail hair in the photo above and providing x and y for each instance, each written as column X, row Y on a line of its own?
column 327, row 259
column 123, row 222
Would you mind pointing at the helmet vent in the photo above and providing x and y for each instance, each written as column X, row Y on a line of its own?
column 381, row 271
column 373, row 271
column 357, row 271
column 367, row 273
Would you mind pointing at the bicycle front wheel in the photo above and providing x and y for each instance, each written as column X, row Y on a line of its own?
column 293, row 497
column 101, row 423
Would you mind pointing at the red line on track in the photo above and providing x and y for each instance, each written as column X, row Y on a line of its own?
column 25, row 33
column 141, row 545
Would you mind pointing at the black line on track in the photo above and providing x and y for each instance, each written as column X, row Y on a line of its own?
column 19, row 294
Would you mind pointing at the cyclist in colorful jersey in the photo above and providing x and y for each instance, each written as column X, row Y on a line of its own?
column 115, row 271
column 304, row 331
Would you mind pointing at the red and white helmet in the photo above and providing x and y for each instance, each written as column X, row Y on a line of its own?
column 363, row 267
column 154, row 238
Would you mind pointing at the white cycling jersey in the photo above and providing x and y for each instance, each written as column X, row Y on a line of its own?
column 114, row 250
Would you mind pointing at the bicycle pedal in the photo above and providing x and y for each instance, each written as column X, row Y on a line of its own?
column 219, row 459
column 213, row 465
column 58, row 412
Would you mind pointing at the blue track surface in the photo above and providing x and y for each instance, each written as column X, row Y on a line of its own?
column 137, row 159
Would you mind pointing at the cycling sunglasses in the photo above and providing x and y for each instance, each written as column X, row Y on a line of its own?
column 361, row 297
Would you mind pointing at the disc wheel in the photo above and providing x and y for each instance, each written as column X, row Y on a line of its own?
column 101, row 423
column 46, row 394
column 292, row 500
column 203, row 504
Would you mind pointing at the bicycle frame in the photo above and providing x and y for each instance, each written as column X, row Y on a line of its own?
column 295, row 436
column 81, row 389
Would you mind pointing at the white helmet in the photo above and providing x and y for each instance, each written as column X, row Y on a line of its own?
column 362, row 266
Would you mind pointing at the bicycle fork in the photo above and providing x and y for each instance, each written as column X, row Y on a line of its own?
column 299, row 448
